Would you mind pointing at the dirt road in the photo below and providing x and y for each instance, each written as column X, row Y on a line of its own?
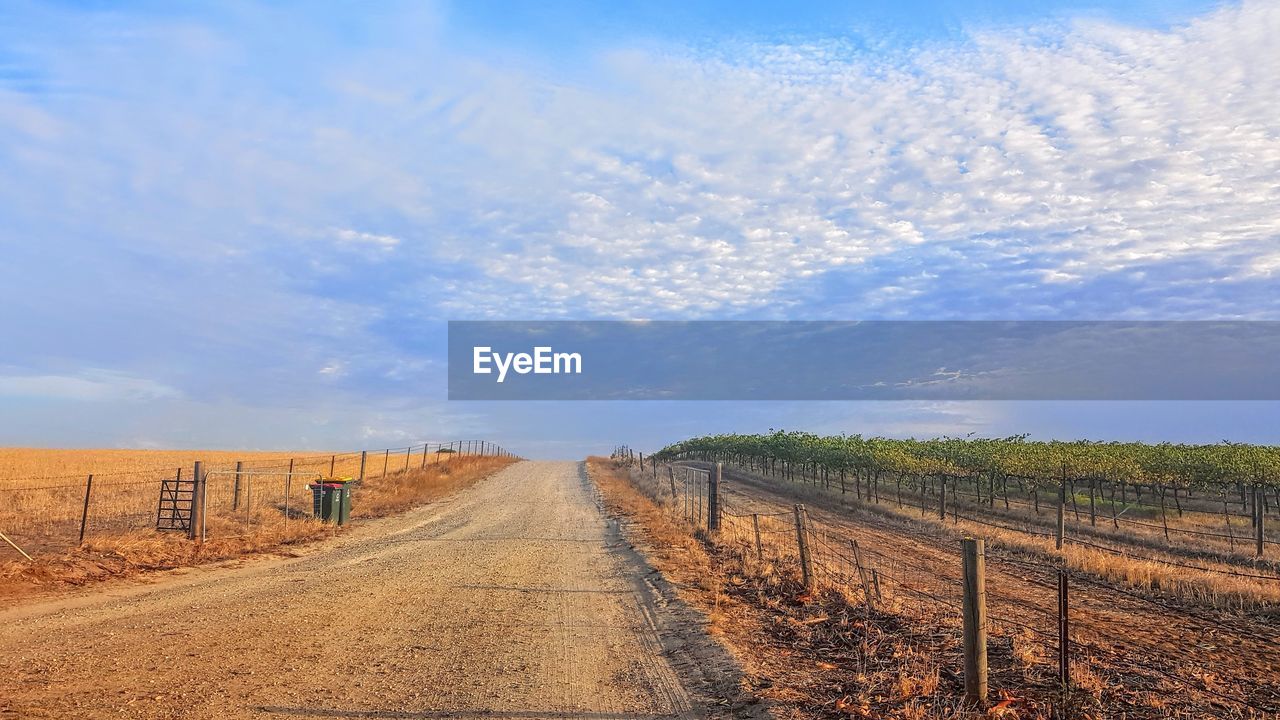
column 515, row 598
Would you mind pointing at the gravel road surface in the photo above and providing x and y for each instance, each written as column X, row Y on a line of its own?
column 515, row 598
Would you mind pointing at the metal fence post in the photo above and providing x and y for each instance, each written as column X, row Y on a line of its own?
column 713, row 499
column 802, row 543
column 1064, row 639
column 84, row 514
column 975, row 621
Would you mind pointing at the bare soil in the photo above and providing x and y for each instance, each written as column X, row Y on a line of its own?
column 516, row 597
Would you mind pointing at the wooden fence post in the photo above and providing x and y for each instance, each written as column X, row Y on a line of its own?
column 364, row 455
column 1093, row 510
column 862, row 574
column 1062, row 513
column 1259, row 509
column 942, row 499
column 975, row 621
column 755, row 525
column 235, row 492
column 84, row 514
column 407, row 452
column 332, row 460
column 196, row 508
column 802, row 543
column 713, row 498
column 671, row 472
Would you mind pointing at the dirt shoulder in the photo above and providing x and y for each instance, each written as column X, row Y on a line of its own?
column 515, row 597
column 803, row 655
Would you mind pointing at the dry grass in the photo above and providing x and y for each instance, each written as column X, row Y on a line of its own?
column 817, row 655
column 42, row 492
column 28, row 466
column 1213, row 587
column 259, row 527
column 1139, row 641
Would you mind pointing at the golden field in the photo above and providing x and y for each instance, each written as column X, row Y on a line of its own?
column 43, row 491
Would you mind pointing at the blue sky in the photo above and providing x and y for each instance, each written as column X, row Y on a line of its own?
column 245, row 225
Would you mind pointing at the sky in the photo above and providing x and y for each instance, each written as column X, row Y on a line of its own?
column 239, row 225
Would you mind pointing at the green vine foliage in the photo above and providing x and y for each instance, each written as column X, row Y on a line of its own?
column 1200, row 467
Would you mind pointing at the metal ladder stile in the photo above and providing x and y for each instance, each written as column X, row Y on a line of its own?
column 177, row 502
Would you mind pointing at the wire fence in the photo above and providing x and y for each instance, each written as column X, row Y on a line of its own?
column 1245, row 540
column 49, row 515
column 1100, row 645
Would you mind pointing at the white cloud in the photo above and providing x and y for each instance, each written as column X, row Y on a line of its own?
column 1066, row 166
column 355, row 237
column 231, row 211
column 88, row 386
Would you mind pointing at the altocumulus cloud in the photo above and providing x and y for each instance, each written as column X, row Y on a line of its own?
column 1051, row 164
column 199, row 199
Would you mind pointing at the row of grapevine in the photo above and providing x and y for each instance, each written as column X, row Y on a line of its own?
column 1210, row 468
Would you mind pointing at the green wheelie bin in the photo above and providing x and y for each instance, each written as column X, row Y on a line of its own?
column 331, row 500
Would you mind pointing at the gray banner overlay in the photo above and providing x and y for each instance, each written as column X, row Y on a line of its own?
column 878, row 360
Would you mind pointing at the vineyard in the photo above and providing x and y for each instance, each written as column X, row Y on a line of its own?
column 1169, row 552
column 1205, row 500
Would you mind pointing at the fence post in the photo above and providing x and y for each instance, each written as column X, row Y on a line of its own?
column 862, row 574
column 1093, row 510
column 713, row 499
column 1064, row 638
column 195, row 502
column 364, row 455
column 1259, row 509
column 407, row 452
column 802, row 543
column 332, row 460
column 975, row 621
column 84, row 514
column 942, row 499
column 755, row 525
column 1062, row 513
column 671, row 472
column 424, row 455
column 235, row 493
